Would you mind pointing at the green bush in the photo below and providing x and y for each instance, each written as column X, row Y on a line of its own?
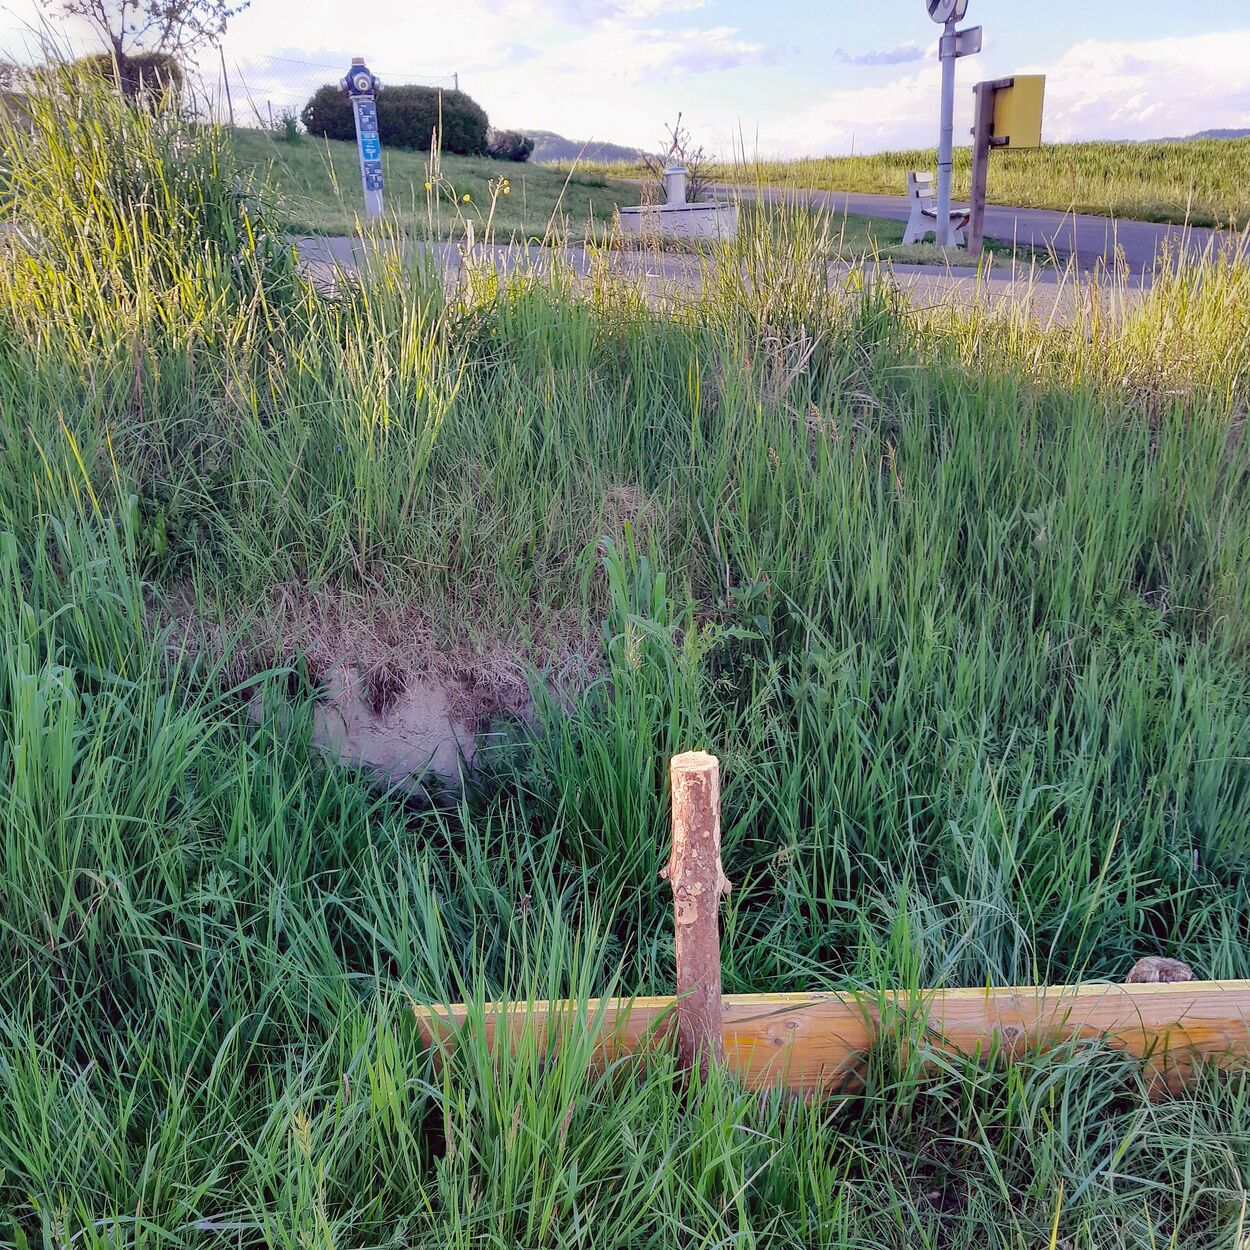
column 408, row 116
column 153, row 76
column 329, row 114
column 508, row 145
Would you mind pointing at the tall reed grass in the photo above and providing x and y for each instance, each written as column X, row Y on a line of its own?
column 959, row 598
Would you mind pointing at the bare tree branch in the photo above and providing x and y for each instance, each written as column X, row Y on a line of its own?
column 171, row 26
column 680, row 147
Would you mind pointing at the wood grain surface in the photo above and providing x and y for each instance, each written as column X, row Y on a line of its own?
column 818, row 1041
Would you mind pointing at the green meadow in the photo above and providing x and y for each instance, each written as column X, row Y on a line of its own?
column 319, row 183
column 316, row 183
column 960, row 599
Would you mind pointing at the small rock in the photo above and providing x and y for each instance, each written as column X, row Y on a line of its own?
column 1155, row 969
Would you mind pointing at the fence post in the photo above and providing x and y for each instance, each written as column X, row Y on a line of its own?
column 698, row 880
column 225, row 78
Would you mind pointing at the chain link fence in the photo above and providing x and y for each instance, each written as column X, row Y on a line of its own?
column 263, row 91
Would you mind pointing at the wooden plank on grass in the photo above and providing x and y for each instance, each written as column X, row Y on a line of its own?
column 817, row 1041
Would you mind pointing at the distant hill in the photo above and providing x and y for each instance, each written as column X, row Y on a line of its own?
column 1221, row 134
column 549, row 146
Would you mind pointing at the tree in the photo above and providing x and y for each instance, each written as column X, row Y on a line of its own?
column 680, row 147
column 170, row 26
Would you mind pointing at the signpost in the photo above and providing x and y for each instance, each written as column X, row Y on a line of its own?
column 953, row 44
column 1008, row 115
column 363, row 89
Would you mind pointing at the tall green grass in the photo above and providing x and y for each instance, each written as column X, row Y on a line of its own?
column 959, row 598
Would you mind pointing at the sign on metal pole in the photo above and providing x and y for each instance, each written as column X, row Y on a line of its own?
column 1018, row 112
column 363, row 88
column 1008, row 115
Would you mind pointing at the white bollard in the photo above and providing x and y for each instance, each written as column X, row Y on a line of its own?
column 674, row 184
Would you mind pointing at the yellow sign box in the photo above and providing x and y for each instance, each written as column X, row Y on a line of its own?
column 1018, row 112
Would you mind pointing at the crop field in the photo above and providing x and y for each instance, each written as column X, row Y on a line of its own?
column 1202, row 182
column 960, row 600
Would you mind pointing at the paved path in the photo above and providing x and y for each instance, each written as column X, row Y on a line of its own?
column 1089, row 239
column 1047, row 293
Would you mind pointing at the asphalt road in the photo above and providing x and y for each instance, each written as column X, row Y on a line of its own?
column 1047, row 293
column 1091, row 240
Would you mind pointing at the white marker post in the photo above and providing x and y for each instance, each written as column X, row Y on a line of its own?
column 363, row 89
column 951, row 46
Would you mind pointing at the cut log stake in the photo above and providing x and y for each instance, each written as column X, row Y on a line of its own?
column 813, row 1043
column 694, row 871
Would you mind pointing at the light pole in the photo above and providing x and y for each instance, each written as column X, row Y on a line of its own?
column 946, row 134
column 363, row 89
column 947, row 13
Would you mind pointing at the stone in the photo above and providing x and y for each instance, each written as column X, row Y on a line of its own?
column 1155, row 969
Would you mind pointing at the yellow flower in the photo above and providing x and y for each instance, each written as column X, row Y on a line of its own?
column 428, row 187
column 465, row 198
column 507, row 190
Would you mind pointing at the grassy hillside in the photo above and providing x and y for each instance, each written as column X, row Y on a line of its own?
column 319, row 181
column 961, row 601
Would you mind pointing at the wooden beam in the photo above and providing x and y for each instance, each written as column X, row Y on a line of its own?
column 982, row 134
column 811, row 1042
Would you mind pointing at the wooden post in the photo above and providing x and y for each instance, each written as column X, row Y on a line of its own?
column 694, row 871
column 982, row 136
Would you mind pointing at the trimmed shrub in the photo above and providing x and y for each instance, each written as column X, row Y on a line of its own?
column 329, row 114
column 508, row 145
column 407, row 118
column 153, row 76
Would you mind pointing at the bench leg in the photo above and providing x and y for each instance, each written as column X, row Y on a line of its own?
column 917, row 226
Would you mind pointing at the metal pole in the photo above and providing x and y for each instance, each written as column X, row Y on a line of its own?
column 225, row 78
column 946, row 139
column 370, row 154
column 362, row 87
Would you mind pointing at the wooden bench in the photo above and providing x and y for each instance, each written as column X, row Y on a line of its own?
column 922, row 196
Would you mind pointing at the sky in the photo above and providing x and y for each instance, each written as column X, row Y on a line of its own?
column 775, row 77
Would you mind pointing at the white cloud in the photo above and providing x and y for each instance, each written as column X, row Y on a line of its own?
column 1149, row 88
column 900, row 54
column 618, row 69
column 1130, row 89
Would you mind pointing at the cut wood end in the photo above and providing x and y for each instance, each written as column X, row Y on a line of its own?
column 694, row 762
column 1155, row 969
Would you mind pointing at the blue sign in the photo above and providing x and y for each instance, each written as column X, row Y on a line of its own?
column 362, row 86
column 370, row 143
